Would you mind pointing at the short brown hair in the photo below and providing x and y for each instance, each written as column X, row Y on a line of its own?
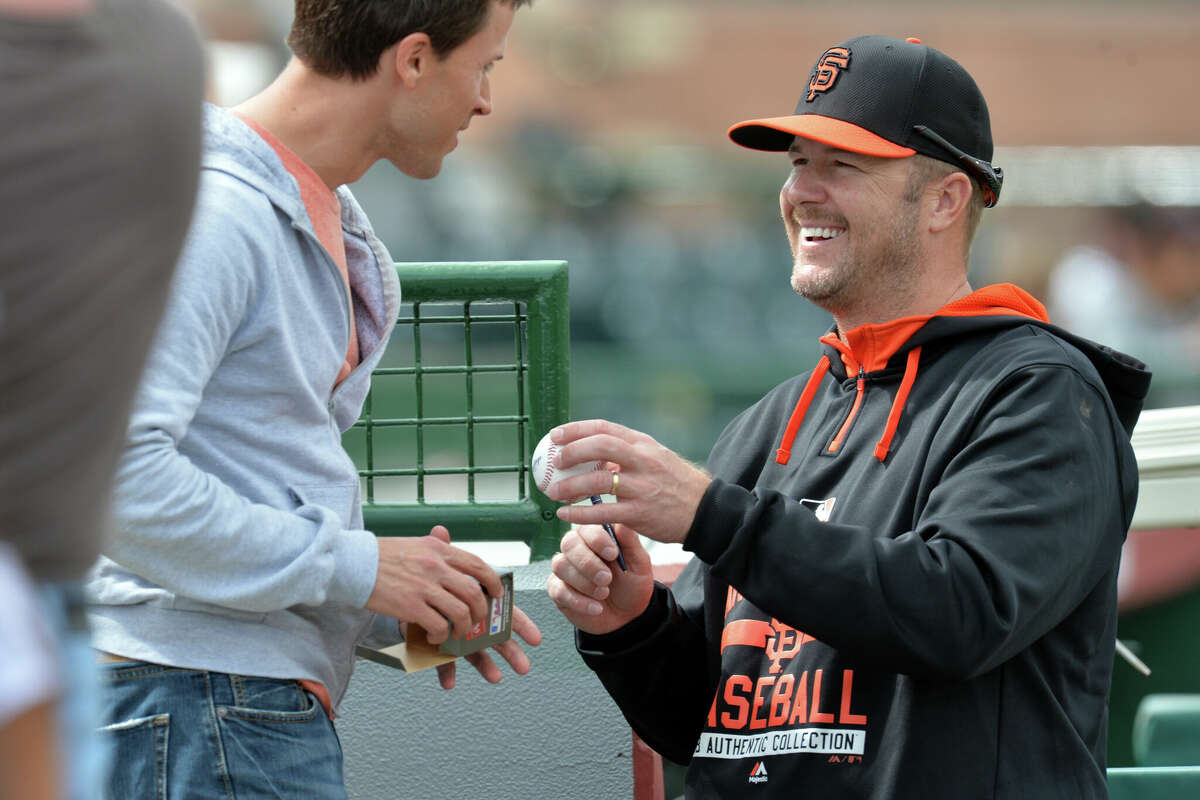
column 925, row 170
column 347, row 37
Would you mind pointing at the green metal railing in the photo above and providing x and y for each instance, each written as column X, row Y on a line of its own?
column 475, row 373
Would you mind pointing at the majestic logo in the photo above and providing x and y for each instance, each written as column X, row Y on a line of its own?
column 827, row 70
column 758, row 773
column 821, row 508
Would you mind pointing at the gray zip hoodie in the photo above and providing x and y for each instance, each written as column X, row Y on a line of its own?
column 240, row 545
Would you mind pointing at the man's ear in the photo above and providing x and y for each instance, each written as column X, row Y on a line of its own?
column 409, row 58
column 952, row 195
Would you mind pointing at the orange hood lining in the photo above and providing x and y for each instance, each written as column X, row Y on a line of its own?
column 872, row 346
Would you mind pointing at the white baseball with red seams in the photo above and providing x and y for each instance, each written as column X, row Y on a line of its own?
column 546, row 474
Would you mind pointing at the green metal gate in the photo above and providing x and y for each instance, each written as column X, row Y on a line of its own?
column 476, row 372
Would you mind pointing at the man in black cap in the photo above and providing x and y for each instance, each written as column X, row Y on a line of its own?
column 905, row 579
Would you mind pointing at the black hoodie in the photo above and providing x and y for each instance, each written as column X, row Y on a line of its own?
column 906, row 572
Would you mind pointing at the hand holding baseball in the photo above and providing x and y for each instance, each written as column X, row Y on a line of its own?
column 547, row 472
column 545, row 469
column 658, row 491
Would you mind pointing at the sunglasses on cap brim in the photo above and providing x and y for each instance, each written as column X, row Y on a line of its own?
column 991, row 177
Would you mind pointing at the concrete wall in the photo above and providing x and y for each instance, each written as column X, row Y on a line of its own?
column 553, row 733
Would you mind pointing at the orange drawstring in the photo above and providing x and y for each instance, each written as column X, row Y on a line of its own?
column 893, row 421
column 784, row 453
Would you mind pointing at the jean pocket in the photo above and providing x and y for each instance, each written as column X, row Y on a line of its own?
column 140, row 747
column 276, row 751
column 269, row 700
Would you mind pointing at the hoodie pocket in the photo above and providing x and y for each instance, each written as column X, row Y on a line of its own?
column 340, row 498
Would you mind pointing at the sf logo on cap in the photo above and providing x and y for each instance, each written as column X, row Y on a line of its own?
column 827, row 70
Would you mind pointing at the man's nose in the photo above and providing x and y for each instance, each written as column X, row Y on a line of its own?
column 803, row 186
column 483, row 106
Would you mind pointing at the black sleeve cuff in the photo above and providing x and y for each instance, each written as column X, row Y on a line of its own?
column 720, row 513
column 633, row 633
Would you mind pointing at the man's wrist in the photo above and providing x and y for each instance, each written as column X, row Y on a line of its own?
column 633, row 632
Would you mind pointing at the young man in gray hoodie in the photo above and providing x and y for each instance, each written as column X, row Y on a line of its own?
column 228, row 605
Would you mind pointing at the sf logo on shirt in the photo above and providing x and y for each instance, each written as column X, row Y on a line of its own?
column 784, row 645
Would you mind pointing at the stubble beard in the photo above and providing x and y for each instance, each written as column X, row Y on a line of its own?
column 886, row 263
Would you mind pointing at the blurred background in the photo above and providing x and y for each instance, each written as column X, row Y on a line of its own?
column 607, row 149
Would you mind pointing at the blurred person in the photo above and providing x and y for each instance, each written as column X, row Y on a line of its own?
column 99, row 162
column 228, row 605
column 1138, row 286
column 904, row 583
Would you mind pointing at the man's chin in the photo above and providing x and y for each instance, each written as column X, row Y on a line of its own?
column 421, row 172
column 812, row 283
column 806, row 278
column 810, row 291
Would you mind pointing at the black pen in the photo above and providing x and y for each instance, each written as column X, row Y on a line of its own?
column 620, row 558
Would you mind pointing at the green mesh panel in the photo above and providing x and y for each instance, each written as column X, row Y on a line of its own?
column 474, row 375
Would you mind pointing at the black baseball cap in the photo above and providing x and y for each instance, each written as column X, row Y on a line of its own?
column 892, row 98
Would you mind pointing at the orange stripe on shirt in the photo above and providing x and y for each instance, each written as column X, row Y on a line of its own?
column 326, row 214
column 747, row 632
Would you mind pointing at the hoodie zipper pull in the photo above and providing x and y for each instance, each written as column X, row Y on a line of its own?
column 861, row 385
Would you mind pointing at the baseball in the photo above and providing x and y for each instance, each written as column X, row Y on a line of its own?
column 546, row 474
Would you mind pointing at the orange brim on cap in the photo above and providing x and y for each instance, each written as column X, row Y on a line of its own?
column 776, row 134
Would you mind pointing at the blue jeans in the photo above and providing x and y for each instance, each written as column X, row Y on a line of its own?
column 180, row 733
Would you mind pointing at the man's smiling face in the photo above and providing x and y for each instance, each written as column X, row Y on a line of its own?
column 851, row 224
